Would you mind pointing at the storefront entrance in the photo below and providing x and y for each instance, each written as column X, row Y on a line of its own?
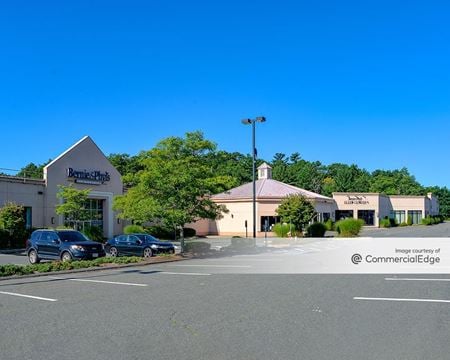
column 368, row 216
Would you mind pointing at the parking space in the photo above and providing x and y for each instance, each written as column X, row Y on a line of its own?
column 225, row 309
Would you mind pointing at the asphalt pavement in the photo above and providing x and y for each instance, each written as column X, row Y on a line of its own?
column 224, row 309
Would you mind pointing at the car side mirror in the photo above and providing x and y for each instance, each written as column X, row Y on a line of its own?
column 139, row 242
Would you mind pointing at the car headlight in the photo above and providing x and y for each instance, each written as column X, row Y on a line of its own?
column 77, row 247
column 154, row 246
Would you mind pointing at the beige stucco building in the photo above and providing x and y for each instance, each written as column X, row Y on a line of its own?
column 370, row 207
column 269, row 194
column 83, row 166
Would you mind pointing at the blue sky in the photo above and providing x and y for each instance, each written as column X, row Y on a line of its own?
column 349, row 81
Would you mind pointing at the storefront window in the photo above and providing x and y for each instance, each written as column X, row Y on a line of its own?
column 343, row 214
column 399, row 216
column 368, row 216
column 267, row 222
column 416, row 216
column 94, row 210
column 28, row 217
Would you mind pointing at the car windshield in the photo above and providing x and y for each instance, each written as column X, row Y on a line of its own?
column 143, row 237
column 71, row 236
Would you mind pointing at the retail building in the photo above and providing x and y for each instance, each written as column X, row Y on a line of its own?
column 370, row 207
column 83, row 166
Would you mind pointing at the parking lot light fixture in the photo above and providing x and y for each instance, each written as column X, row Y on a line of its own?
column 253, row 122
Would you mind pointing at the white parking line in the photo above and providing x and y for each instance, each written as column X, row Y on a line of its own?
column 217, row 266
column 98, row 281
column 27, row 296
column 177, row 273
column 416, row 279
column 403, row 300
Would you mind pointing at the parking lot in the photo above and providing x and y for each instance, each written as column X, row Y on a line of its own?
column 225, row 308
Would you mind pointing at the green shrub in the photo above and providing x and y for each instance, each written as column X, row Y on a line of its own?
column 133, row 229
column 349, row 227
column 197, row 246
column 282, row 230
column 329, row 225
column 94, row 233
column 385, row 223
column 403, row 224
column 316, row 230
column 9, row 269
column 427, row 221
column 410, row 220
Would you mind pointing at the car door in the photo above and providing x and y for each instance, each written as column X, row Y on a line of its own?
column 122, row 244
column 43, row 244
column 134, row 245
column 54, row 244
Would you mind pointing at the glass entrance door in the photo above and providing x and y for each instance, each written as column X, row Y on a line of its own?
column 368, row 216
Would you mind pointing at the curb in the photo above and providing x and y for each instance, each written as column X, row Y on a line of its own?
column 12, row 251
column 98, row 268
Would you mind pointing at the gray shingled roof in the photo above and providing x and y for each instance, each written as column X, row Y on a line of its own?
column 266, row 189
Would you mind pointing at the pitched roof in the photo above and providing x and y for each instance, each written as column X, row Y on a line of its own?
column 266, row 189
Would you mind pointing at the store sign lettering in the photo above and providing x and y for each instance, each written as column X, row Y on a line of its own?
column 88, row 177
column 356, row 200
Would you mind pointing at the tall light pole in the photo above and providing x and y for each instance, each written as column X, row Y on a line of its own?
column 253, row 122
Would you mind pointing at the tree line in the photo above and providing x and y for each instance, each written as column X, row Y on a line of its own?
column 291, row 169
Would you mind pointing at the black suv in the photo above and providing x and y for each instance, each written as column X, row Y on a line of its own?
column 62, row 245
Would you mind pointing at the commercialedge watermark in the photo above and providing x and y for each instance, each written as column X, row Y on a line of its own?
column 403, row 256
column 409, row 259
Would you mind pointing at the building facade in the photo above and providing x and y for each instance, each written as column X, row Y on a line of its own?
column 83, row 166
column 370, row 207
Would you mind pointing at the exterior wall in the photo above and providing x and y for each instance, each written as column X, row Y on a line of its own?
column 202, row 227
column 383, row 205
column 433, row 204
column 356, row 201
column 326, row 207
column 24, row 192
column 40, row 195
column 409, row 203
column 85, row 155
column 233, row 223
column 384, row 208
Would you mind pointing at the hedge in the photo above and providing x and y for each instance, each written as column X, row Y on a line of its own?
column 349, row 227
column 10, row 269
column 197, row 246
column 282, row 230
column 316, row 230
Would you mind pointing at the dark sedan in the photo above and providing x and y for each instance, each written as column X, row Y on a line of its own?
column 138, row 245
column 62, row 245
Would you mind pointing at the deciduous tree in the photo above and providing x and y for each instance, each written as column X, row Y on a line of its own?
column 296, row 210
column 176, row 183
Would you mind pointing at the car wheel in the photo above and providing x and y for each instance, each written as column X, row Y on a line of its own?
column 66, row 256
column 33, row 257
column 113, row 251
column 148, row 253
